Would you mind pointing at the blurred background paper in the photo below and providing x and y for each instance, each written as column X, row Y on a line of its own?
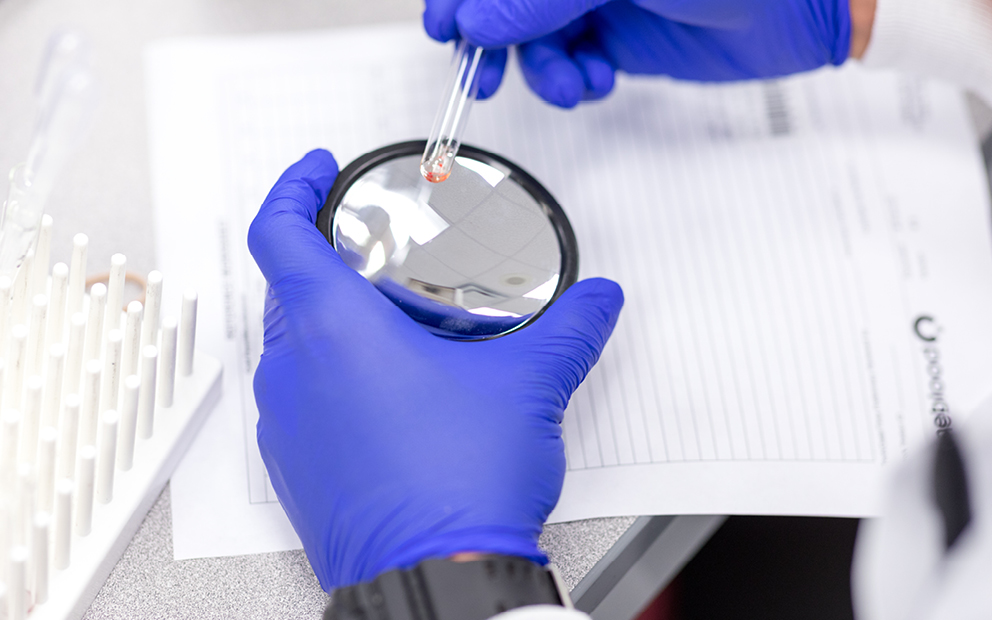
column 776, row 243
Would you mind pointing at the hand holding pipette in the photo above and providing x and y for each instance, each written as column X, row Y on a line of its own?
column 570, row 50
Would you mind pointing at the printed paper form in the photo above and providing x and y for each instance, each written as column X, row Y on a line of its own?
column 776, row 244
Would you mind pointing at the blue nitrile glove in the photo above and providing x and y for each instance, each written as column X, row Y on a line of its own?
column 385, row 444
column 570, row 49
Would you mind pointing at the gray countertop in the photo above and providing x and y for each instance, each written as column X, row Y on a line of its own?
column 147, row 583
column 106, row 194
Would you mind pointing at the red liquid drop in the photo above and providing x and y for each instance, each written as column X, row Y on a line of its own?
column 436, row 177
column 436, row 169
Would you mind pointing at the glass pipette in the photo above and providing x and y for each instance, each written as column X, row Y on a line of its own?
column 67, row 96
column 459, row 93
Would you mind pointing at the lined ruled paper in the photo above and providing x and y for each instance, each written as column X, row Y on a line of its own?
column 776, row 243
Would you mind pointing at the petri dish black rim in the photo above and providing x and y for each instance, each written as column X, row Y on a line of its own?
column 569, row 271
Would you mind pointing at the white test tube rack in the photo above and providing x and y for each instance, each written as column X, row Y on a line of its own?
column 94, row 417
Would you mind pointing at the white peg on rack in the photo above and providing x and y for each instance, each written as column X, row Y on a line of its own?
column 153, row 309
column 10, row 430
column 167, row 362
column 24, row 511
column 39, row 553
column 46, row 467
column 81, row 383
column 146, row 395
column 20, row 297
column 74, row 353
column 15, row 366
column 77, row 273
column 111, row 370
column 42, row 256
column 5, row 525
column 86, row 472
column 36, row 334
column 63, row 523
column 115, row 293
column 54, row 380
column 107, row 456
column 17, row 569
column 90, row 406
column 131, row 349
column 31, row 423
column 187, row 335
column 94, row 324
column 68, row 437
column 6, row 288
column 56, row 303
column 128, row 423
column 3, row 382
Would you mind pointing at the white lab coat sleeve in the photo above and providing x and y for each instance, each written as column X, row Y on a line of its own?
column 901, row 570
column 542, row 612
column 950, row 40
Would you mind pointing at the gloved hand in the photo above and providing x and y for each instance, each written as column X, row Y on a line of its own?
column 570, row 49
column 385, row 444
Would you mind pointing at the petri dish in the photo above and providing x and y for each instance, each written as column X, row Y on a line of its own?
column 474, row 257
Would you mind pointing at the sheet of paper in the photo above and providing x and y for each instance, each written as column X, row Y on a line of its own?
column 807, row 265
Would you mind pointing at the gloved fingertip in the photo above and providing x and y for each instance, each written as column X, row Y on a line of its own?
column 474, row 22
column 598, row 93
column 283, row 231
column 563, row 93
column 318, row 169
column 842, row 34
column 588, row 309
column 323, row 163
column 569, row 337
column 599, row 77
column 551, row 73
column 558, row 83
column 321, row 157
column 499, row 23
column 491, row 73
column 316, row 160
column 438, row 27
column 606, row 295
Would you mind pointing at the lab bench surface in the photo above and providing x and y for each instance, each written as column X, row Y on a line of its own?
column 612, row 565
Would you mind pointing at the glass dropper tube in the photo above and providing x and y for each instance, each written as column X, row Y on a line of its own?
column 459, row 93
